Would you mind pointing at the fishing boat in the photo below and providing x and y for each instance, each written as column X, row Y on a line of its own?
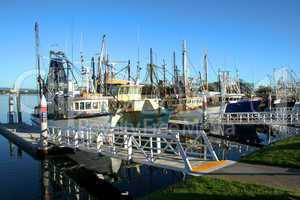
column 66, row 99
column 183, row 97
column 129, row 96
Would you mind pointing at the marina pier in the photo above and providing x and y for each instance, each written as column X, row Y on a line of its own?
column 150, row 100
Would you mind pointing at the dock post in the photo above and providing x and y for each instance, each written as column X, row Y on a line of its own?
column 158, row 144
column 68, row 136
column 76, row 139
column 269, row 134
column 270, row 102
column 43, row 146
column 140, row 138
column 177, row 138
column 125, row 141
column 129, row 147
column 59, row 136
column 99, row 141
column 11, row 113
column 19, row 112
column 151, row 149
column 204, row 108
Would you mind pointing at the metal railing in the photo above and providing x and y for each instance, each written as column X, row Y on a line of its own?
column 158, row 147
column 282, row 109
column 278, row 118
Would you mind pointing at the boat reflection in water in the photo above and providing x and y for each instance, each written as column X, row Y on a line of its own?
column 63, row 178
column 84, row 175
column 96, row 177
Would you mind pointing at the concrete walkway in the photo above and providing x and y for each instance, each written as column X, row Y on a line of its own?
column 278, row 177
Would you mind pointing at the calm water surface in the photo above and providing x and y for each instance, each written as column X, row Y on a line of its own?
column 23, row 177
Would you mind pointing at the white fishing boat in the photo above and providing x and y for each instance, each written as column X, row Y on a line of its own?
column 65, row 98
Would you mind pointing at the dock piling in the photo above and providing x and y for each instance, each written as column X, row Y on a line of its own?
column 11, row 112
column 19, row 112
column 204, row 108
column 43, row 146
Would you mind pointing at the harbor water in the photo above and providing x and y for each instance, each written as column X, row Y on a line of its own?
column 62, row 178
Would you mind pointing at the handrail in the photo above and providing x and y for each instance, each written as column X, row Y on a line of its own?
column 136, row 144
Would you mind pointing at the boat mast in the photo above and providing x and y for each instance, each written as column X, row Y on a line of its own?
column 99, row 79
column 164, row 74
column 128, row 71
column 151, row 69
column 84, row 70
column 107, row 74
column 238, row 82
column 93, row 75
column 175, row 68
column 175, row 74
column 138, row 70
column 37, row 52
column 205, row 71
column 101, row 61
column 185, row 68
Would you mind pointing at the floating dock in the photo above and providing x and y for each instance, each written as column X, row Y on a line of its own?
column 25, row 136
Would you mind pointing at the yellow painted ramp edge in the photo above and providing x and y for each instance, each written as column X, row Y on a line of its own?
column 211, row 166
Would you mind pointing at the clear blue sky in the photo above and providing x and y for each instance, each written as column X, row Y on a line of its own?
column 254, row 36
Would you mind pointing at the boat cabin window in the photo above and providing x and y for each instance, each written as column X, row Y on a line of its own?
column 104, row 106
column 88, row 105
column 134, row 90
column 114, row 91
column 76, row 106
column 95, row 105
column 130, row 90
column 81, row 105
column 123, row 91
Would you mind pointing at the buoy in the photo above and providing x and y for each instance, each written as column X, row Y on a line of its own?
column 270, row 102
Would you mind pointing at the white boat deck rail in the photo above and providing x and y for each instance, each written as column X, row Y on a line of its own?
column 271, row 118
column 282, row 109
column 181, row 150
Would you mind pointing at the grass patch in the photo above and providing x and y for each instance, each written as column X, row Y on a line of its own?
column 285, row 153
column 213, row 188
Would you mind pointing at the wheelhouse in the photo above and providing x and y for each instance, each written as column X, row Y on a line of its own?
column 127, row 92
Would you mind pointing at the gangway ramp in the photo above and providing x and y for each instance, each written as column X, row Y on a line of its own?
column 188, row 151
